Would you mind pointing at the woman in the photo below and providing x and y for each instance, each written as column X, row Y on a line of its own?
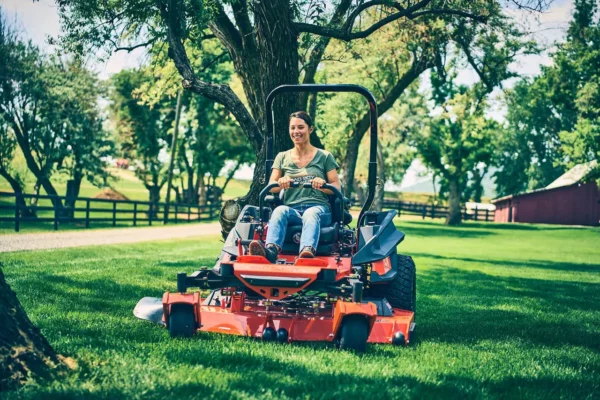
column 307, row 206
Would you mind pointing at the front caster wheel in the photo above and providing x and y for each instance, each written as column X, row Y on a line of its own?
column 182, row 322
column 354, row 333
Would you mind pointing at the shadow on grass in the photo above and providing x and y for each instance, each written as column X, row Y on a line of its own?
column 466, row 307
column 549, row 265
column 437, row 230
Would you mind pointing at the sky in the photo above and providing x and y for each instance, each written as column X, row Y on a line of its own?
column 39, row 20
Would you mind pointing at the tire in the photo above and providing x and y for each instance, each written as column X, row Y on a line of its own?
column 354, row 333
column 401, row 292
column 182, row 322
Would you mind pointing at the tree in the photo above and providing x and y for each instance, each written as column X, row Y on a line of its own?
column 23, row 95
column 24, row 351
column 553, row 118
column 50, row 107
column 8, row 144
column 456, row 142
column 581, row 53
column 210, row 135
column 263, row 39
column 141, row 128
column 74, row 94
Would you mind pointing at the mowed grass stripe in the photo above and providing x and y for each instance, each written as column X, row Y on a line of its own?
column 502, row 312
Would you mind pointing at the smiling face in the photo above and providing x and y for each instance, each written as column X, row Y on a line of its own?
column 299, row 131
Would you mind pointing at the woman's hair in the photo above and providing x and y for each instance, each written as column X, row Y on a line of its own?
column 303, row 115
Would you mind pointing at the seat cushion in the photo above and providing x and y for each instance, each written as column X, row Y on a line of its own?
column 329, row 234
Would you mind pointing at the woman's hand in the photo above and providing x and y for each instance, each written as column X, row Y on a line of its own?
column 317, row 183
column 284, row 182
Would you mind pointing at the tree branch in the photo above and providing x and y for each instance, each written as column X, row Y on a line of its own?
column 221, row 94
column 345, row 33
column 226, row 32
column 240, row 13
column 318, row 50
column 129, row 49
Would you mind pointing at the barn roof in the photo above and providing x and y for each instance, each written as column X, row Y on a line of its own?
column 571, row 177
column 574, row 175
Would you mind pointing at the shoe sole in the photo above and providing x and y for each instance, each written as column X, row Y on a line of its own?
column 255, row 249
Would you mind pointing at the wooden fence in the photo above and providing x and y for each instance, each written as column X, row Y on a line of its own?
column 87, row 211
column 433, row 211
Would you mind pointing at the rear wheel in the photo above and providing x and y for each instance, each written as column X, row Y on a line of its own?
column 401, row 292
column 182, row 322
column 354, row 333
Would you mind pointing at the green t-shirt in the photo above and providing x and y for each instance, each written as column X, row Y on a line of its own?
column 318, row 167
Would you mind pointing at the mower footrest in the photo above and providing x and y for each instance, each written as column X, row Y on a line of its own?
column 275, row 281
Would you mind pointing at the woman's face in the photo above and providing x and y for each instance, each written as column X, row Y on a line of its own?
column 299, row 131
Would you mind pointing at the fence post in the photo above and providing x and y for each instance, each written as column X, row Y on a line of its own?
column 210, row 211
column 87, row 213
column 487, row 213
column 476, row 212
column 176, row 211
column 135, row 214
column 432, row 211
column 150, row 211
column 55, row 214
column 114, row 214
column 200, row 208
column 424, row 211
column 17, row 211
column 464, row 214
column 189, row 212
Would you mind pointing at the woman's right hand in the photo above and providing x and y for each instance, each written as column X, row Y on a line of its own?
column 284, row 182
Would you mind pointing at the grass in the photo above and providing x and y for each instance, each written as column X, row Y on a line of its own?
column 504, row 311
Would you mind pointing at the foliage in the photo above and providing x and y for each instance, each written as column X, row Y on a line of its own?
column 50, row 106
column 581, row 53
column 142, row 129
column 456, row 143
column 264, row 57
column 553, row 120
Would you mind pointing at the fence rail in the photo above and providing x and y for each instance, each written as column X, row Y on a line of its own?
column 432, row 211
column 87, row 210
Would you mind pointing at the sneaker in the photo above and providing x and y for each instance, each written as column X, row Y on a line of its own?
column 307, row 252
column 256, row 248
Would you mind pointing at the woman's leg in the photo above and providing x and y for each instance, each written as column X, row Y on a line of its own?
column 312, row 219
column 281, row 217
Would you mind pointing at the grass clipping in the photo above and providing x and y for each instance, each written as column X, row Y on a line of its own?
column 24, row 351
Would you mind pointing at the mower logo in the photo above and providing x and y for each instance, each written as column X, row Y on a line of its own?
column 296, row 238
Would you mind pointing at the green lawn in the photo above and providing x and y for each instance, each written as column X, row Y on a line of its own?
column 504, row 311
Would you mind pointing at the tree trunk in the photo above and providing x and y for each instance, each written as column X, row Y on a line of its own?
column 24, row 352
column 454, row 214
column 16, row 187
column 349, row 163
column 380, row 189
column 154, row 198
column 201, row 191
column 73, row 187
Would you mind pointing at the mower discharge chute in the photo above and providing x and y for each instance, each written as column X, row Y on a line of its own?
column 356, row 290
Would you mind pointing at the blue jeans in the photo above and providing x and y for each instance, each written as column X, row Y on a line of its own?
column 310, row 216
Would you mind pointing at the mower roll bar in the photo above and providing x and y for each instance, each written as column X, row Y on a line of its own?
column 372, row 179
column 267, row 189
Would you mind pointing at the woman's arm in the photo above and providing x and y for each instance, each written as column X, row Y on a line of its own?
column 332, row 178
column 276, row 177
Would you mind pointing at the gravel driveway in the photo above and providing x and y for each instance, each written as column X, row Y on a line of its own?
column 55, row 240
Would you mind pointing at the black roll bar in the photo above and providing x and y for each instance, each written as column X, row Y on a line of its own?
column 314, row 88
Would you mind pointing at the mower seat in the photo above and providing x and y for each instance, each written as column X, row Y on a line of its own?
column 328, row 239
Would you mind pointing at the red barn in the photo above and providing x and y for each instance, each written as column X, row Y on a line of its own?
column 566, row 201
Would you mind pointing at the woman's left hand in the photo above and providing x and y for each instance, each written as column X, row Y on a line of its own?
column 317, row 183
